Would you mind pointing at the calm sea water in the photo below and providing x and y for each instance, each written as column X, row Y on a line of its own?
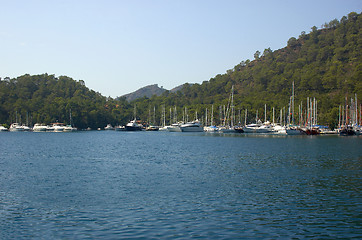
column 157, row 185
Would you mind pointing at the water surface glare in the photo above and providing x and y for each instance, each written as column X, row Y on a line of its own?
column 160, row 185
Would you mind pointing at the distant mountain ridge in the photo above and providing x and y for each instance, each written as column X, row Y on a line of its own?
column 149, row 91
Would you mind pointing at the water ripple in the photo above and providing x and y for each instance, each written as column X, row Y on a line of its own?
column 178, row 186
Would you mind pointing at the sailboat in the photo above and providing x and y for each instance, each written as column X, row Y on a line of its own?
column 16, row 127
column 212, row 127
column 174, row 127
column 228, row 127
column 133, row 125
column 151, row 127
column 292, row 129
column 69, row 127
column 258, row 126
column 347, row 128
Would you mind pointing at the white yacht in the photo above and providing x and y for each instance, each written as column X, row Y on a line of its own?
column 39, row 127
column 120, row 128
column 163, row 129
column 69, row 128
column 211, row 129
column 152, row 128
column 2, row 128
column 258, row 128
column 175, row 127
column 133, row 126
column 109, row 127
column 58, row 127
column 26, row 128
column 279, row 130
column 16, row 127
column 227, row 129
column 193, row 126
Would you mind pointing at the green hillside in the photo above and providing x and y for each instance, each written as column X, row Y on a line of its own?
column 47, row 99
column 325, row 64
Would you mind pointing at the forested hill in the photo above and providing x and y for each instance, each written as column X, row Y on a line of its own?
column 48, row 99
column 325, row 64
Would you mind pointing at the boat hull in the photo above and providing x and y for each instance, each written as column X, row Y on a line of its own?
column 133, row 128
column 192, row 129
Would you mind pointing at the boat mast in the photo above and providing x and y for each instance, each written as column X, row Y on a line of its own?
column 346, row 113
column 356, row 111
column 360, row 120
column 212, row 115
column 206, row 117
column 273, row 115
column 307, row 122
column 70, row 117
column 339, row 117
column 265, row 113
column 175, row 115
column 163, row 115
column 293, row 104
column 316, row 112
column 289, row 110
column 232, row 107
column 154, row 115
column 301, row 114
column 170, row 116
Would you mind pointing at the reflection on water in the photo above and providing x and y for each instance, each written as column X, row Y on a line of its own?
column 179, row 185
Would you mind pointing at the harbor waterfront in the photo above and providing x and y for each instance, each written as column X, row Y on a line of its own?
column 172, row 185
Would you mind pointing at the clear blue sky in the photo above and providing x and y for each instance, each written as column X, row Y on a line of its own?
column 118, row 46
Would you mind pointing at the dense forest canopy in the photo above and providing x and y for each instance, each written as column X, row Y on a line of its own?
column 325, row 64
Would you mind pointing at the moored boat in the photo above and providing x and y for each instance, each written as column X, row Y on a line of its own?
column 211, row 128
column 175, row 127
column 133, row 126
column 3, row 129
column 108, row 127
column 258, row 128
column 312, row 131
column 16, row 127
column 164, row 128
column 347, row 131
column 295, row 131
column 69, row 128
column 193, row 126
column 58, row 127
column 152, row 128
column 227, row 129
column 39, row 127
column 239, row 130
column 120, row 128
